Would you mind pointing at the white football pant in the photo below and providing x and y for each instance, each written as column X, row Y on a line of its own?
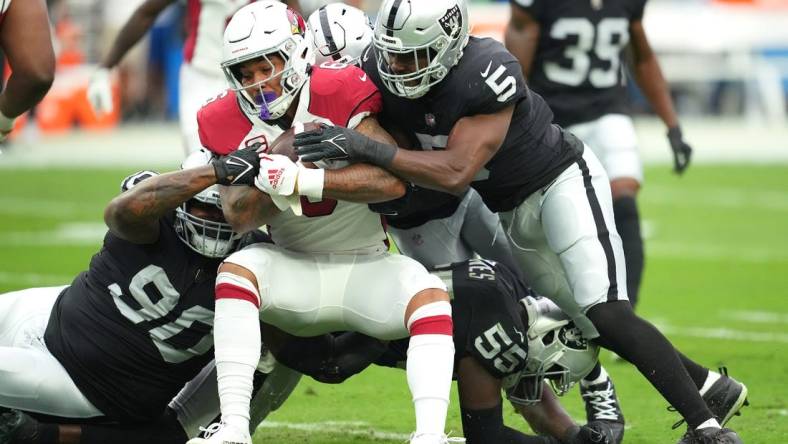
column 613, row 139
column 309, row 294
column 31, row 379
column 565, row 239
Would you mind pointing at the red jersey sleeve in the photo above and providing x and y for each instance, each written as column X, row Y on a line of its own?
column 222, row 125
column 344, row 96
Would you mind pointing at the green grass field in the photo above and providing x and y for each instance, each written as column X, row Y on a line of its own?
column 716, row 281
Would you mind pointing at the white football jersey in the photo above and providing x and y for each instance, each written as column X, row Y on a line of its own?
column 205, row 23
column 334, row 96
column 4, row 4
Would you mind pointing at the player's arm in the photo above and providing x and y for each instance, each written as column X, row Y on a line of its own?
column 27, row 44
column 522, row 37
column 649, row 78
column 134, row 214
column 362, row 182
column 134, row 29
column 247, row 208
column 471, row 144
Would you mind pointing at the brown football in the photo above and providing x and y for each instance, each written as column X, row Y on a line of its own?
column 284, row 143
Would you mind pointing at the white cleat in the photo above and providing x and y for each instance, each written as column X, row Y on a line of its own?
column 218, row 433
column 433, row 438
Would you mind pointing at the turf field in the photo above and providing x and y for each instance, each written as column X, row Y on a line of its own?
column 716, row 282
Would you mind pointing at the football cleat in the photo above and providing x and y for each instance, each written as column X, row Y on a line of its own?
column 711, row 435
column 220, row 433
column 603, row 411
column 725, row 398
column 432, row 438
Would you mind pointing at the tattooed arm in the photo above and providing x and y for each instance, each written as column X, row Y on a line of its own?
column 246, row 208
column 362, row 182
column 134, row 215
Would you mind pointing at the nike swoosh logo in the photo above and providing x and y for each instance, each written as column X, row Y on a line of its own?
column 232, row 162
column 364, row 77
column 487, row 70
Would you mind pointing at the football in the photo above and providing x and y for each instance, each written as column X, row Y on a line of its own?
column 284, row 143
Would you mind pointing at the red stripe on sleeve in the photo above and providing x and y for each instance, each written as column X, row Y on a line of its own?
column 230, row 291
column 432, row 325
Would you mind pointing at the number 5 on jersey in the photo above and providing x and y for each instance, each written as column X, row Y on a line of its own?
column 502, row 87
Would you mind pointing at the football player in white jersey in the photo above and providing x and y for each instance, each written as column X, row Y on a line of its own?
column 27, row 44
column 200, row 76
column 330, row 269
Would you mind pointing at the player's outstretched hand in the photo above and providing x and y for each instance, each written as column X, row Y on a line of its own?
column 239, row 167
column 682, row 152
column 100, row 92
column 338, row 143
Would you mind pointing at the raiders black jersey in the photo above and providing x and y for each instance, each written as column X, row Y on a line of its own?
column 135, row 327
column 578, row 65
column 487, row 79
column 489, row 322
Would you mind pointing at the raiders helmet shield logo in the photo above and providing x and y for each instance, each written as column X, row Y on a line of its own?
column 571, row 337
column 451, row 22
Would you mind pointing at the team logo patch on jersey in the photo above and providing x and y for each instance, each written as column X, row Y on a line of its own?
column 572, row 337
column 429, row 119
column 451, row 22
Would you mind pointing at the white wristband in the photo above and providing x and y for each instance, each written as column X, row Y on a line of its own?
column 310, row 182
column 6, row 123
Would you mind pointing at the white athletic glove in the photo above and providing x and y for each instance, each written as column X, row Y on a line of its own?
column 6, row 125
column 100, row 91
column 278, row 177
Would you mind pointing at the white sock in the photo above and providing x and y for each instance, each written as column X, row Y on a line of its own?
column 430, row 366
column 709, row 423
column 599, row 379
column 710, row 380
column 237, row 342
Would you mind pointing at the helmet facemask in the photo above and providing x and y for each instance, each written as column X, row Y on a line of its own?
column 210, row 238
column 425, row 37
column 264, row 31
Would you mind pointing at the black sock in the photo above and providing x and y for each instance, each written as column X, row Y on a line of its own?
column 697, row 372
column 594, row 373
column 486, row 427
column 640, row 343
column 47, row 434
column 625, row 210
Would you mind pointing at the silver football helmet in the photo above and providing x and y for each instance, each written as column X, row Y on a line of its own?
column 426, row 36
column 557, row 352
column 208, row 237
column 340, row 33
column 260, row 30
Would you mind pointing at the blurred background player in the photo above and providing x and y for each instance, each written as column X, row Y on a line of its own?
column 27, row 45
column 200, row 76
column 573, row 53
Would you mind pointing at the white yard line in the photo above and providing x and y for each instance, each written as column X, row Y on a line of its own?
column 721, row 333
column 73, row 233
column 756, row 317
column 34, row 279
column 352, row 428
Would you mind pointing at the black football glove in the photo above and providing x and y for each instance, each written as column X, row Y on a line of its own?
column 682, row 152
column 239, row 167
column 132, row 181
column 338, row 143
column 586, row 435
